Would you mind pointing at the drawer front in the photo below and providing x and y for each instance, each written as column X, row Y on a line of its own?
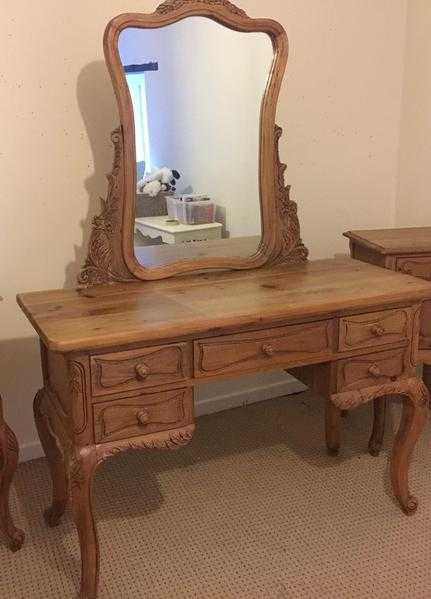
column 142, row 414
column 138, row 369
column 376, row 328
column 248, row 351
column 372, row 369
column 417, row 266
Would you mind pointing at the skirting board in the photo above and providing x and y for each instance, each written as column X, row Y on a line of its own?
column 230, row 395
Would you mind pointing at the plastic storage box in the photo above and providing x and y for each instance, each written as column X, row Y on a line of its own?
column 191, row 210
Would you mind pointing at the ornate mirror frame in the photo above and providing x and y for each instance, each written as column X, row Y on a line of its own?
column 111, row 256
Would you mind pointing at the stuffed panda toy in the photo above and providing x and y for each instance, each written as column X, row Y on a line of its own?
column 160, row 179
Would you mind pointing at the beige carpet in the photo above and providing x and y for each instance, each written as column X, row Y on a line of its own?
column 253, row 508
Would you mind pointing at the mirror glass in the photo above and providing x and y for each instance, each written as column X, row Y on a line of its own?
column 196, row 88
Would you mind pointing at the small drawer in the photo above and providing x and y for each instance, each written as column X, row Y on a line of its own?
column 142, row 414
column 372, row 369
column 376, row 328
column 140, row 368
column 282, row 346
column 417, row 266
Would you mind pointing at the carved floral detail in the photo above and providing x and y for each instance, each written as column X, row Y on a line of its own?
column 172, row 5
column 105, row 241
column 293, row 250
column 171, row 441
column 412, row 388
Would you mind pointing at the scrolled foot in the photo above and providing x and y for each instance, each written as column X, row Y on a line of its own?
column 53, row 514
column 374, row 451
column 16, row 540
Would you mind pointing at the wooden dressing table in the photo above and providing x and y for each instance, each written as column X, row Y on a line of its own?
column 122, row 353
column 120, row 362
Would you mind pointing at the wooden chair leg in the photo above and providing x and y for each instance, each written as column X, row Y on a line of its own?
column 414, row 416
column 8, row 463
column 376, row 440
column 332, row 427
column 82, row 466
column 54, row 455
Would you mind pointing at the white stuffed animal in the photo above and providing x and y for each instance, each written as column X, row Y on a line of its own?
column 152, row 188
column 160, row 179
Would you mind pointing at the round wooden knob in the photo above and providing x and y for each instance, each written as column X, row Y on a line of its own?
column 142, row 371
column 374, row 370
column 377, row 330
column 268, row 350
column 143, row 417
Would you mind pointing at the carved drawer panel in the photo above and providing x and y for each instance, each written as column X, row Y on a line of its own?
column 417, row 266
column 138, row 369
column 248, row 351
column 142, row 414
column 372, row 369
column 376, row 328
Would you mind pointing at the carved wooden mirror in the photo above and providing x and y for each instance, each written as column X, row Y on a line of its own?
column 197, row 182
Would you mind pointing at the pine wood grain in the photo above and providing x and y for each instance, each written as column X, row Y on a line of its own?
column 105, row 316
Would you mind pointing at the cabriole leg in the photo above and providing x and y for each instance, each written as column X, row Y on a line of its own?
column 415, row 410
column 379, row 417
column 83, row 465
column 413, row 419
column 333, row 427
column 54, row 455
column 8, row 463
column 426, row 376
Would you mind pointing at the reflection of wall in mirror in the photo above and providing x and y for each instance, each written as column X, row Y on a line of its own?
column 203, row 110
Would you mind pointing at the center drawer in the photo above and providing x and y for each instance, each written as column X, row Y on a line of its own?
column 142, row 414
column 140, row 368
column 286, row 346
column 375, row 328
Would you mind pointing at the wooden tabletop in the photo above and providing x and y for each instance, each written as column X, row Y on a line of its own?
column 411, row 240
column 213, row 303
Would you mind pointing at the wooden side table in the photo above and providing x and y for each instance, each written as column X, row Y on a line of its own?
column 406, row 250
column 8, row 464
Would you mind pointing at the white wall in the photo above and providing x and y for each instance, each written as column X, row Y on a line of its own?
column 414, row 184
column 340, row 107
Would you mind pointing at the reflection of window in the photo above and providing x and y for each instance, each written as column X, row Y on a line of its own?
column 135, row 75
